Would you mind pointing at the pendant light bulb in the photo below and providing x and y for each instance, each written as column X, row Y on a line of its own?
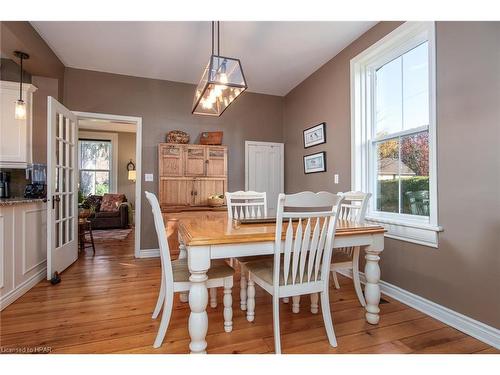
column 20, row 111
column 223, row 78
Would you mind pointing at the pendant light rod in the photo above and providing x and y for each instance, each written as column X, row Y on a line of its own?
column 22, row 56
column 216, row 29
column 21, row 85
column 213, row 23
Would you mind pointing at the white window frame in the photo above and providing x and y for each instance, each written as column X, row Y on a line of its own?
column 113, row 138
column 411, row 228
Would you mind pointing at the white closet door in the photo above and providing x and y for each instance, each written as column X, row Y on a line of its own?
column 264, row 170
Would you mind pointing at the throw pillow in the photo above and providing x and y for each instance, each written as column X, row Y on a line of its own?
column 111, row 202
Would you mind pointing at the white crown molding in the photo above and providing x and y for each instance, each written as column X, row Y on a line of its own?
column 483, row 332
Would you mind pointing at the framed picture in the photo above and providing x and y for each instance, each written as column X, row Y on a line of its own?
column 315, row 163
column 315, row 135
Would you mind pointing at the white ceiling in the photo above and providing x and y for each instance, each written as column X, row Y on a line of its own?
column 276, row 56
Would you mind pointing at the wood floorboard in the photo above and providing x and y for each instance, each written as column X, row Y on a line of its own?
column 104, row 305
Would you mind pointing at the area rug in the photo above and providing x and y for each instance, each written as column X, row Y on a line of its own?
column 111, row 234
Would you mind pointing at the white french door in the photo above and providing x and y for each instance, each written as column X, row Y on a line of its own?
column 264, row 170
column 62, row 193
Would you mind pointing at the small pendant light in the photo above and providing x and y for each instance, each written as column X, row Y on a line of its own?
column 20, row 113
column 221, row 83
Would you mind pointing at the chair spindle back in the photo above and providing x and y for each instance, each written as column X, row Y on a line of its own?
column 246, row 205
column 309, row 233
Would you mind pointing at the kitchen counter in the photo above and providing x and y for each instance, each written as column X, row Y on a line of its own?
column 19, row 200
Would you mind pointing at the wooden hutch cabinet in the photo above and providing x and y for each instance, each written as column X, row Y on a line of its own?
column 189, row 174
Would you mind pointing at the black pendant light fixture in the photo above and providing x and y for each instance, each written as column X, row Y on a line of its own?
column 20, row 112
column 221, row 83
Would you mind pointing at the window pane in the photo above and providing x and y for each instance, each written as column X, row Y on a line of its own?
column 389, row 108
column 415, row 183
column 95, row 154
column 416, row 87
column 388, row 175
column 103, row 155
column 87, row 155
column 87, row 182
column 101, row 183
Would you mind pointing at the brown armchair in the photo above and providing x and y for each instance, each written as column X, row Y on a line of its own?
column 109, row 211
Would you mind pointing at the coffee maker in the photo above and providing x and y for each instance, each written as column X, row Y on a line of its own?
column 4, row 185
column 37, row 188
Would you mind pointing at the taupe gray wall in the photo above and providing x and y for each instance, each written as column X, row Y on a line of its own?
column 165, row 106
column 463, row 273
column 46, row 87
column 45, row 69
column 126, row 152
column 20, row 35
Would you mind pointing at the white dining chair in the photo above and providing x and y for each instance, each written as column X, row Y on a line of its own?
column 303, row 268
column 353, row 208
column 244, row 205
column 175, row 278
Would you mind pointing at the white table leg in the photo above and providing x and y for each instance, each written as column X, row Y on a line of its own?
column 182, row 255
column 198, row 263
column 372, row 273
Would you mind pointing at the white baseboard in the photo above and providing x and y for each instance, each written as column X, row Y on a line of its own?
column 485, row 333
column 14, row 294
column 149, row 253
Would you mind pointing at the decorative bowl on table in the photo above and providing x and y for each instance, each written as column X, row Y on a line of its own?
column 177, row 136
column 216, row 200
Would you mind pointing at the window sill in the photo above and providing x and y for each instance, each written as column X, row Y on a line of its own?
column 419, row 233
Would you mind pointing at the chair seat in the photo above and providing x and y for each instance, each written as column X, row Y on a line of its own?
column 218, row 269
column 341, row 257
column 263, row 269
column 254, row 258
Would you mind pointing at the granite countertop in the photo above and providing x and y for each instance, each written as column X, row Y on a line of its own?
column 18, row 200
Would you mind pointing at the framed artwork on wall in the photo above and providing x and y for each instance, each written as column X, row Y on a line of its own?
column 315, row 163
column 315, row 135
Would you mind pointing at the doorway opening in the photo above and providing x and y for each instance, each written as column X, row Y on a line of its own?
column 109, row 162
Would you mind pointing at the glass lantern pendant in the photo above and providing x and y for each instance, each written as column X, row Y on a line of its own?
column 221, row 83
column 20, row 110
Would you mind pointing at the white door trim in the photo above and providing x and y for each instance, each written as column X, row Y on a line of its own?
column 282, row 152
column 138, row 164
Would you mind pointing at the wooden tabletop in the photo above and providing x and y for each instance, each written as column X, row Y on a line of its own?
column 212, row 228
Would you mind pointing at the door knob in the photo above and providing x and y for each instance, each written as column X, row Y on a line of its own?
column 54, row 200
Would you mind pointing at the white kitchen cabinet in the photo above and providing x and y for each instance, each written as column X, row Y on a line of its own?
column 23, row 249
column 15, row 135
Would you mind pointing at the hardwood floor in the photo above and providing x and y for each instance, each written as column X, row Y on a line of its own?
column 104, row 305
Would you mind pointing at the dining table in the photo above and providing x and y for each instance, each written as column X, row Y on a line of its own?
column 207, row 235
